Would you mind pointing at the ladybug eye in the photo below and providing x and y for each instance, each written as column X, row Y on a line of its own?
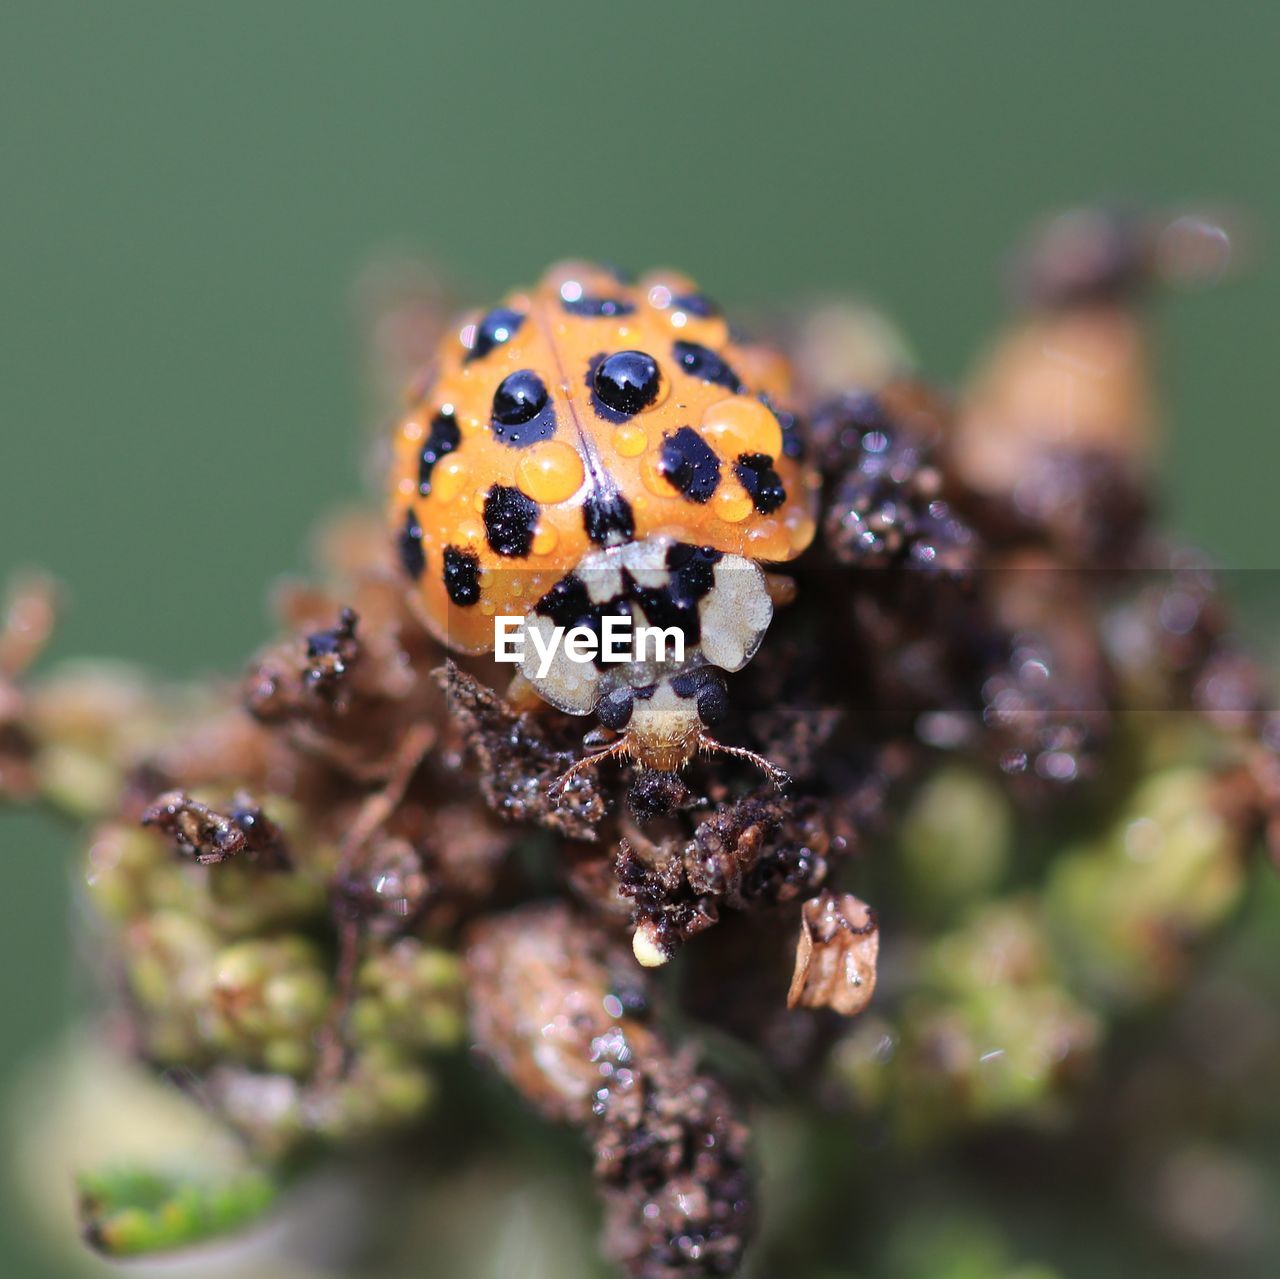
column 713, row 701
column 626, row 381
column 614, row 711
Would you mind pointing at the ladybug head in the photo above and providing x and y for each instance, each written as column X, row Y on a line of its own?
column 663, row 725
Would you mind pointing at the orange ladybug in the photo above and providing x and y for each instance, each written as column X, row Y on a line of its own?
column 591, row 450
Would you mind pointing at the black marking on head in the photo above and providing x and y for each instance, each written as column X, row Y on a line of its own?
column 704, row 364
column 499, row 326
column 614, row 710
column 761, row 481
column 690, row 464
column 509, row 521
column 696, row 304
column 568, row 604
column 462, row 576
column 675, row 603
column 413, row 557
column 444, row 438
column 663, row 608
column 593, row 307
column 792, row 429
column 523, row 413
column 608, row 518
column 622, row 384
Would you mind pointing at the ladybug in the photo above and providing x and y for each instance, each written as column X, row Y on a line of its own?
column 594, row 448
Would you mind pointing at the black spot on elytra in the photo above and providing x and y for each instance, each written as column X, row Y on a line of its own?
column 462, row 576
column 704, row 364
column 443, row 439
column 690, row 464
column 509, row 521
column 608, row 518
column 792, row 429
column 593, row 307
column 413, row 557
column 761, row 481
column 622, row 384
column 696, row 304
column 523, row 413
column 499, row 326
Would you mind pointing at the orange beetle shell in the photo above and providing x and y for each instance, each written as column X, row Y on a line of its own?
column 488, row 516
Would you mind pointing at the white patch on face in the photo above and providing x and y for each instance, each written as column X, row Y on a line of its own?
column 647, row 561
column 601, row 574
column 735, row 614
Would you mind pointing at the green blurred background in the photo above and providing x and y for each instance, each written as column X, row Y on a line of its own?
column 190, row 192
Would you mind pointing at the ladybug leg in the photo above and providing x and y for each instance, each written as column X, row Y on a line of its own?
column 778, row 776
column 522, row 697
column 781, row 588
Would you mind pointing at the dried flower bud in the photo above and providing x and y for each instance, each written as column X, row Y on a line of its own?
column 836, row 954
column 210, row 836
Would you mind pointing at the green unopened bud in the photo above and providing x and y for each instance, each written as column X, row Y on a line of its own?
column 991, row 1033
column 383, row 1088
column 240, row 899
column 267, row 1000
column 1127, row 909
column 168, row 957
column 129, row 874
column 955, row 840
column 80, row 784
column 410, row 994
